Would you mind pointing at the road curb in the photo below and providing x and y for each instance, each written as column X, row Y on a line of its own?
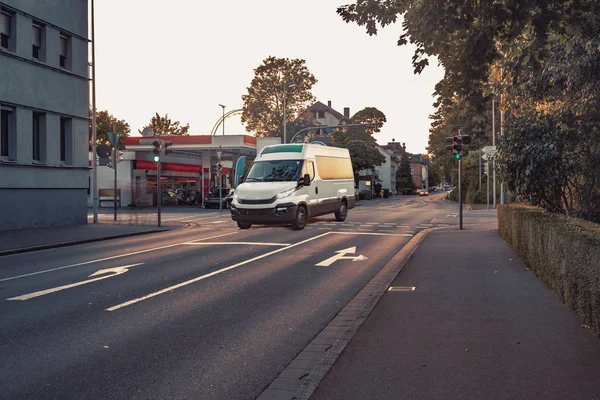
column 82, row 241
column 302, row 376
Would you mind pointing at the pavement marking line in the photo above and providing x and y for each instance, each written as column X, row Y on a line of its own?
column 115, row 271
column 108, row 258
column 244, row 243
column 371, row 233
column 218, row 222
column 171, row 288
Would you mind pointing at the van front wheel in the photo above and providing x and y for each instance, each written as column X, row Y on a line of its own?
column 342, row 212
column 300, row 221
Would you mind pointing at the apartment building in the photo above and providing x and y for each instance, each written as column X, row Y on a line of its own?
column 44, row 100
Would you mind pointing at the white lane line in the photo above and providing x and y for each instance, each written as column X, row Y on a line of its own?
column 171, row 288
column 108, row 258
column 245, row 243
column 432, row 220
column 371, row 233
column 218, row 222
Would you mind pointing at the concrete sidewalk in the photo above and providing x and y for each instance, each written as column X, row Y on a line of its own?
column 24, row 240
column 478, row 325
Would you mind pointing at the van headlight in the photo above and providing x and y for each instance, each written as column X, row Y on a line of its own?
column 235, row 196
column 285, row 193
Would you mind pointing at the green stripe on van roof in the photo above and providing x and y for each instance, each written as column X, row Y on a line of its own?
column 283, row 148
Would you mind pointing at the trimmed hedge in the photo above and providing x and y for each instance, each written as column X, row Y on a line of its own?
column 563, row 252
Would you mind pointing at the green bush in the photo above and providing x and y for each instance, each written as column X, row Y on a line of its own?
column 364, row 195
column 563, row 252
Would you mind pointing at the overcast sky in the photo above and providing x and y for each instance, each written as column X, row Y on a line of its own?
column 185, row 57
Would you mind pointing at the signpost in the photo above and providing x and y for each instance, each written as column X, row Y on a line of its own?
column 219, row 153
column 113, row 138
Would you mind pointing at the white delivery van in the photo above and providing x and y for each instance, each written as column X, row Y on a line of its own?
column 289, row 183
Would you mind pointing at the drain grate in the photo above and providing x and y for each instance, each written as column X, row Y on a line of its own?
column 401, row 288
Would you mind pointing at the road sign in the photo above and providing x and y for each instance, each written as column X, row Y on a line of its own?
column 103, row 150
column 113, row 138
column 148, row 132
column 489, row 150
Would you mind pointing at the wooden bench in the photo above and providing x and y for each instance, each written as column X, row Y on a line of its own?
column 109, row 195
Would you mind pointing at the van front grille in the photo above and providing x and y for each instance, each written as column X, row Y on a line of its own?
column 260, row 201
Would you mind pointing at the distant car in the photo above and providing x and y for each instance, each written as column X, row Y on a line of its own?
column 212, row 200
column 423, row 192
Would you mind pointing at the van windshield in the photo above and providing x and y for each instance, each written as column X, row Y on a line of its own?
column 275, row 171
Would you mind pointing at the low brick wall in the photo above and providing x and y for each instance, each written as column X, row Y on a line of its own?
column 563, row 252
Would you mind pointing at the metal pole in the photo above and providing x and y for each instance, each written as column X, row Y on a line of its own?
column 115, row 189
column 487, row 174
column 284, row 128
column 95, row 159
column 480, row 170
column 158, row 191
column 493, row 144
column 223, row 120
column 460, row 207
column 220, row 185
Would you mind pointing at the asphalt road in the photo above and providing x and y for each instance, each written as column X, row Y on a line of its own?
column 210, row 311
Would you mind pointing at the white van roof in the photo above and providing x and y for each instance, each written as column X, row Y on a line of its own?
column 301, row 151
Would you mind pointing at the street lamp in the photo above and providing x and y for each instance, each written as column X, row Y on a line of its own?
column 223, row 122
column 285, row 85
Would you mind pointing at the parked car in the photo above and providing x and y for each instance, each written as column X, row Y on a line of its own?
column 212, row 200
column 190, row 198
column 423, row 192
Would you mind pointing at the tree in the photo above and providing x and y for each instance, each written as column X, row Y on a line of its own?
column 164, row 126
column 262, row 108
column 404, row 180
column 369, row 116
column 106, row 122
column 362, row 147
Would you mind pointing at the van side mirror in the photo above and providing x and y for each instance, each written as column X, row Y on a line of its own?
column 306, row 180
column 242, row 179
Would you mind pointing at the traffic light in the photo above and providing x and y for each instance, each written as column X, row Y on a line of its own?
column 110, row 163
column 219, row 167
column 449, row 143
column 119, row 157
column 156, row 150
column 460, row 146
column 457, row 147
column 165, row 148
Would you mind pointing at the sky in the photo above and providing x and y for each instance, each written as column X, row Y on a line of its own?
column 185, row 57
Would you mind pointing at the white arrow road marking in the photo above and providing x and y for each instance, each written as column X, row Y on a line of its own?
column 171, row 288
column 112, row 271
column 341, row 255
column 111, row 258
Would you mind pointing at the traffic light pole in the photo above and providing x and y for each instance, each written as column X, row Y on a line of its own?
column 115, row 162
column 158, row 191
column 460, row 205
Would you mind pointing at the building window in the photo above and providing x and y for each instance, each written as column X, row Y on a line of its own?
column 320, row 114
column 5, row 29
column 63, row 139
column 65, row 44
column 36, row 44
column 7, row 133
column 39, row 137
column 66, row 140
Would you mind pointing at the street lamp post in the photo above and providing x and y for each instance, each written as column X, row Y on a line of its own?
column 223, row 121
column 285, row 85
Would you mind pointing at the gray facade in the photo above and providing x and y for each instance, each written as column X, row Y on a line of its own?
column 44, row 100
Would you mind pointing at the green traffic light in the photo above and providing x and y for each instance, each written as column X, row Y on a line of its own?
column 156, row 158
column 457, row 156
